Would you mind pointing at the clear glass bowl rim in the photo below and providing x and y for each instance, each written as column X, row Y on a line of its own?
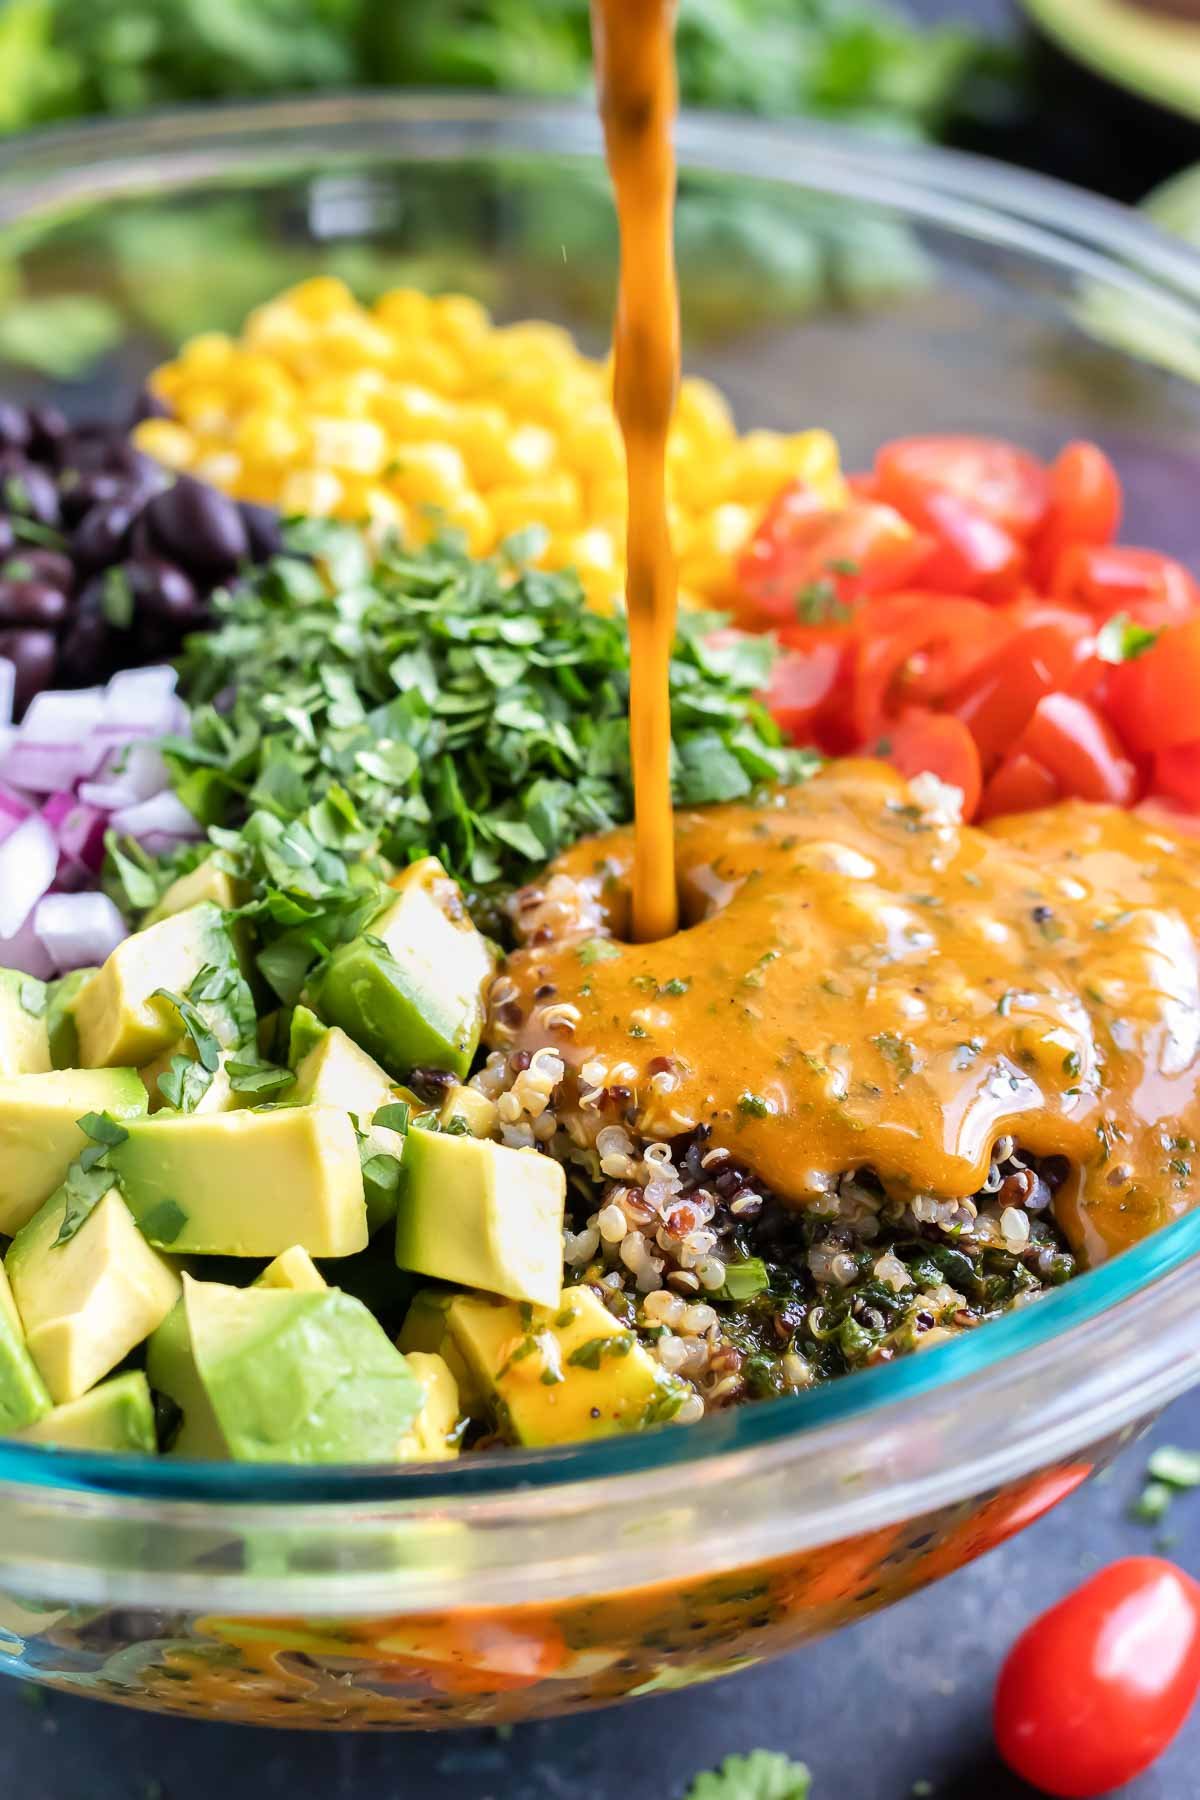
column 1151, row 1290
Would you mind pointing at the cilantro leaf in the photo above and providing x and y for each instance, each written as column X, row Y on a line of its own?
column 1121, row 639
column 89, row 1177
column 208, row 1050
column 184, row 1083
column 394, row 1117
column 762, row 1775
column 258, row 1077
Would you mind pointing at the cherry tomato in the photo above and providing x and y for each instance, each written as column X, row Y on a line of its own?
column 1007, row 484
column 804, row 550
column 1081, row 750
column 935, row 742
column 1177, row 774
column 806, row 684
column 974, row 553
column 1114, row 578
column 997, row 699
column 1095, row 1689
column 916, row 649
column 1085, row 505
column 1154, row 699
column 1020, row 784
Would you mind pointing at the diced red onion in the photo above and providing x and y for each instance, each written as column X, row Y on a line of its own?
column 133, row 773
column 78, row 930
column 58, row 717
column 26, row 951
column 8, row 689
column 28, row 860
column 42, row 767
column 79, row 828
column 142, row 702
column 13, row 808
column 163, row 817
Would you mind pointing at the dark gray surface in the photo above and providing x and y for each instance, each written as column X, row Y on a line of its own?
column 898, row 1699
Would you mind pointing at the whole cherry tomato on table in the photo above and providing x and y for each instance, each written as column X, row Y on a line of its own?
column 1095, row 1689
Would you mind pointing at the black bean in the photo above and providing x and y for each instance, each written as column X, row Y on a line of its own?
column 165, row 593
column 200, row 528
column 263, row 529
column 14, row 425
column 31, row 563
column 32, row 603
column 29, row 490
column 79, row 491
column 32, row 654
column 47, row 428
column 99, row 538
column 85, row 652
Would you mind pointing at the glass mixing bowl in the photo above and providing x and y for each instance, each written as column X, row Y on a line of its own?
column 860, row 284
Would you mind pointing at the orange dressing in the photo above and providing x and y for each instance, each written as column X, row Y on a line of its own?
column 635, row 70
column 863, row 985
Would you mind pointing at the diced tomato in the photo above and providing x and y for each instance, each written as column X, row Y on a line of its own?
column 1177, row 774
column 1154, row 699
column 1085, row 505
column 1115, row 578
column 1020, row 784
column 997, row 700
column 1080, row 749
column 916, row 649
column 974, row 554
column 935, row 742
column 1005, row 483
column 806, row 557
column 807, row 696
column 862, row 484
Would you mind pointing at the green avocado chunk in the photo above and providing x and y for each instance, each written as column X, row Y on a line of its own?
column 557, row 1375
column 297, row 1377
column 117, row 1415
column 410, row 989
column 60, row 1018
column 172, row 1370
column 484, row 1216
column 205, row 882
column 120, row 1015
column 247, row 1183
column 23, row 1395
column 39, row 1134
column 87, row 1302
column 24, row 1040
column 335, row 1072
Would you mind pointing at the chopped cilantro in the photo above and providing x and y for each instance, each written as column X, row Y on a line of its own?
column 594, row 950
column 89, row 1177
column 163, row 1223
column 762, row 1775
column 753, row 1105
column 258, row 1077
column 1121, row 639
column 395, row 1117
column 589, row 1355
column 745, row 1279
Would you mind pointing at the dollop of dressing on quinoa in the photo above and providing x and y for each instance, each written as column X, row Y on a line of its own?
column 862, row 982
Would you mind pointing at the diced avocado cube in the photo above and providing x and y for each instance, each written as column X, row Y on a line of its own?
column 117, row 1415
column 335, row 1072
column 119, row 1015
column 410, row 990
column 434, row 1433
column 39, row 1136
column 563, row 1373
column 426, row 1331
column 298, row 1377
column 172, row 1372
column 248, row 1183
column 87, row 1302
column 24, row 1039
column 305, row 1032
column 476, row 1111
column 205, row 882
column 294, row 1269
column 61, row 1029
column 484, row 1216
column 23, row 1395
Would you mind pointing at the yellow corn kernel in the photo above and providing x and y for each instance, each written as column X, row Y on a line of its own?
column 353, row 339
column 349, row 446
column 278, row 330
column 720, row 531
column 594, row 555
column 346, row 394
column 256, row 379
column 591, row 442
column 385, row 517
column 555, row 501
column 316, row 492
column 168, row 443
column 814, row 457
column 411, row 413
column 204, row 408
column 259, row 484
column 429, row 363
column 272, row 439
column 207, row 354
column 608, row 501
column 470, row 514
column 482, row 433
column 430, row 474
column 460, row 319
column 703, row 412
column 406, row 312
column 168, row 380
column 534, row 340
column 321, row 297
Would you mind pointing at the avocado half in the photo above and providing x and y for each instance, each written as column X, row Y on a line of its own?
column 1149, row 47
